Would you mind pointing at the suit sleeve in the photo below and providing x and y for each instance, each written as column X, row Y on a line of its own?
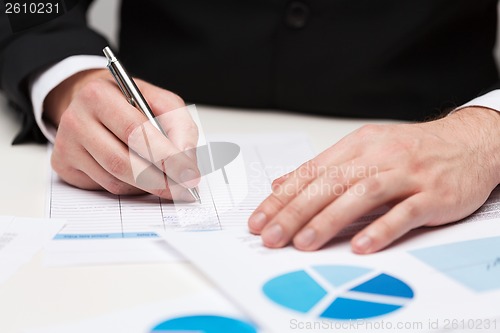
column 24, row 53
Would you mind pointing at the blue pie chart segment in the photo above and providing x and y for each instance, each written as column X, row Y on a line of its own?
column 341, row 274
column 384, row 284
column 297, row 290
column 342, row 292
column 348, row 309
column 204, row 324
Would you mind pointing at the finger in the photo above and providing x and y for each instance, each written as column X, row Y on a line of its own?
column 180, row 127
column 278, row 181
column 171, row 161
column 159, row 99
column 132, row 128
column 361, row 198
column 309, row 202
column 405, row 216
column 79, row 179
column 87, row 173
column 91, row 176
column 173, row 116
column 181, row 130
column 115, row 158
column 72, row 176
column 91, row 169
column 282, row 195
column 284, row 192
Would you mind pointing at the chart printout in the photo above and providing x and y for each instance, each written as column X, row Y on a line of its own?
column 431, row 280
column 103, row 228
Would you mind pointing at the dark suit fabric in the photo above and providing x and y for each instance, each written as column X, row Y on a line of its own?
column 395, row 59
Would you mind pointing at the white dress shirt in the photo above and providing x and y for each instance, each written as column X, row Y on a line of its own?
column 44, row 82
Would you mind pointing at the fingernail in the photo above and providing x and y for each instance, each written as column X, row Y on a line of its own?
column 187, row 176
column 305, row 238
column 273, row 235
column 363, row 243
column 257, row 221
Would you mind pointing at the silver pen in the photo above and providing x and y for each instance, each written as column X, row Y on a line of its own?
column 134, row 96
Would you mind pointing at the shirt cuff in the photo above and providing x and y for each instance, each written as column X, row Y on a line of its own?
column 490, row 100
column 43, row 83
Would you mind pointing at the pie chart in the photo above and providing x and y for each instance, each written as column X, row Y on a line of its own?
column 339, row 292
column 204, row 324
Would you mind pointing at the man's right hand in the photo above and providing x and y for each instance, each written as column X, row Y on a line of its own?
column 95, row 126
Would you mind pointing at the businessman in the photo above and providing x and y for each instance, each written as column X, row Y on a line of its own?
column 410, row 60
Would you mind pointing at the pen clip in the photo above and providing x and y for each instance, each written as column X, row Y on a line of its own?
column 121, row 85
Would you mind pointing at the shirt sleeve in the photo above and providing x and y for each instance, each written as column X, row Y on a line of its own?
column 489, row 100
column 43, row 83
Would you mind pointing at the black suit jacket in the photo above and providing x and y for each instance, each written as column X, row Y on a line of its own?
column 408, row 59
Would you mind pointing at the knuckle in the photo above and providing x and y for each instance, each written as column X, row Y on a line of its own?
column 169, row 163
column 412, row 144
column 59, row 159
column 414, row 165
column 115, row 187
column 166, row 97
column 192, row 128
column 293, row 212
column 58, row 165
column 131, row 131
column 326, row 221
column 328, row 218
column 385, row 229
column 338, row 174
column 191, row 133
column 55, row 162
column 70, row 122
column 117, row 165
column 307, row 170
column 450, row 198
column 276, row 202
column 91, row 90
column 176, row 99
column 370, row 130
column 410, row 211
column 276, row 184
column 402, row 151
column 277, row 187
column 373, row 187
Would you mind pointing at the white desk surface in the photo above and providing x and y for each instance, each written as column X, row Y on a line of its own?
column 37, row 296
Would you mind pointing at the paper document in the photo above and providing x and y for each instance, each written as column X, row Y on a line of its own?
column 21, row 239
column 104, row 228
column 434, row 279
